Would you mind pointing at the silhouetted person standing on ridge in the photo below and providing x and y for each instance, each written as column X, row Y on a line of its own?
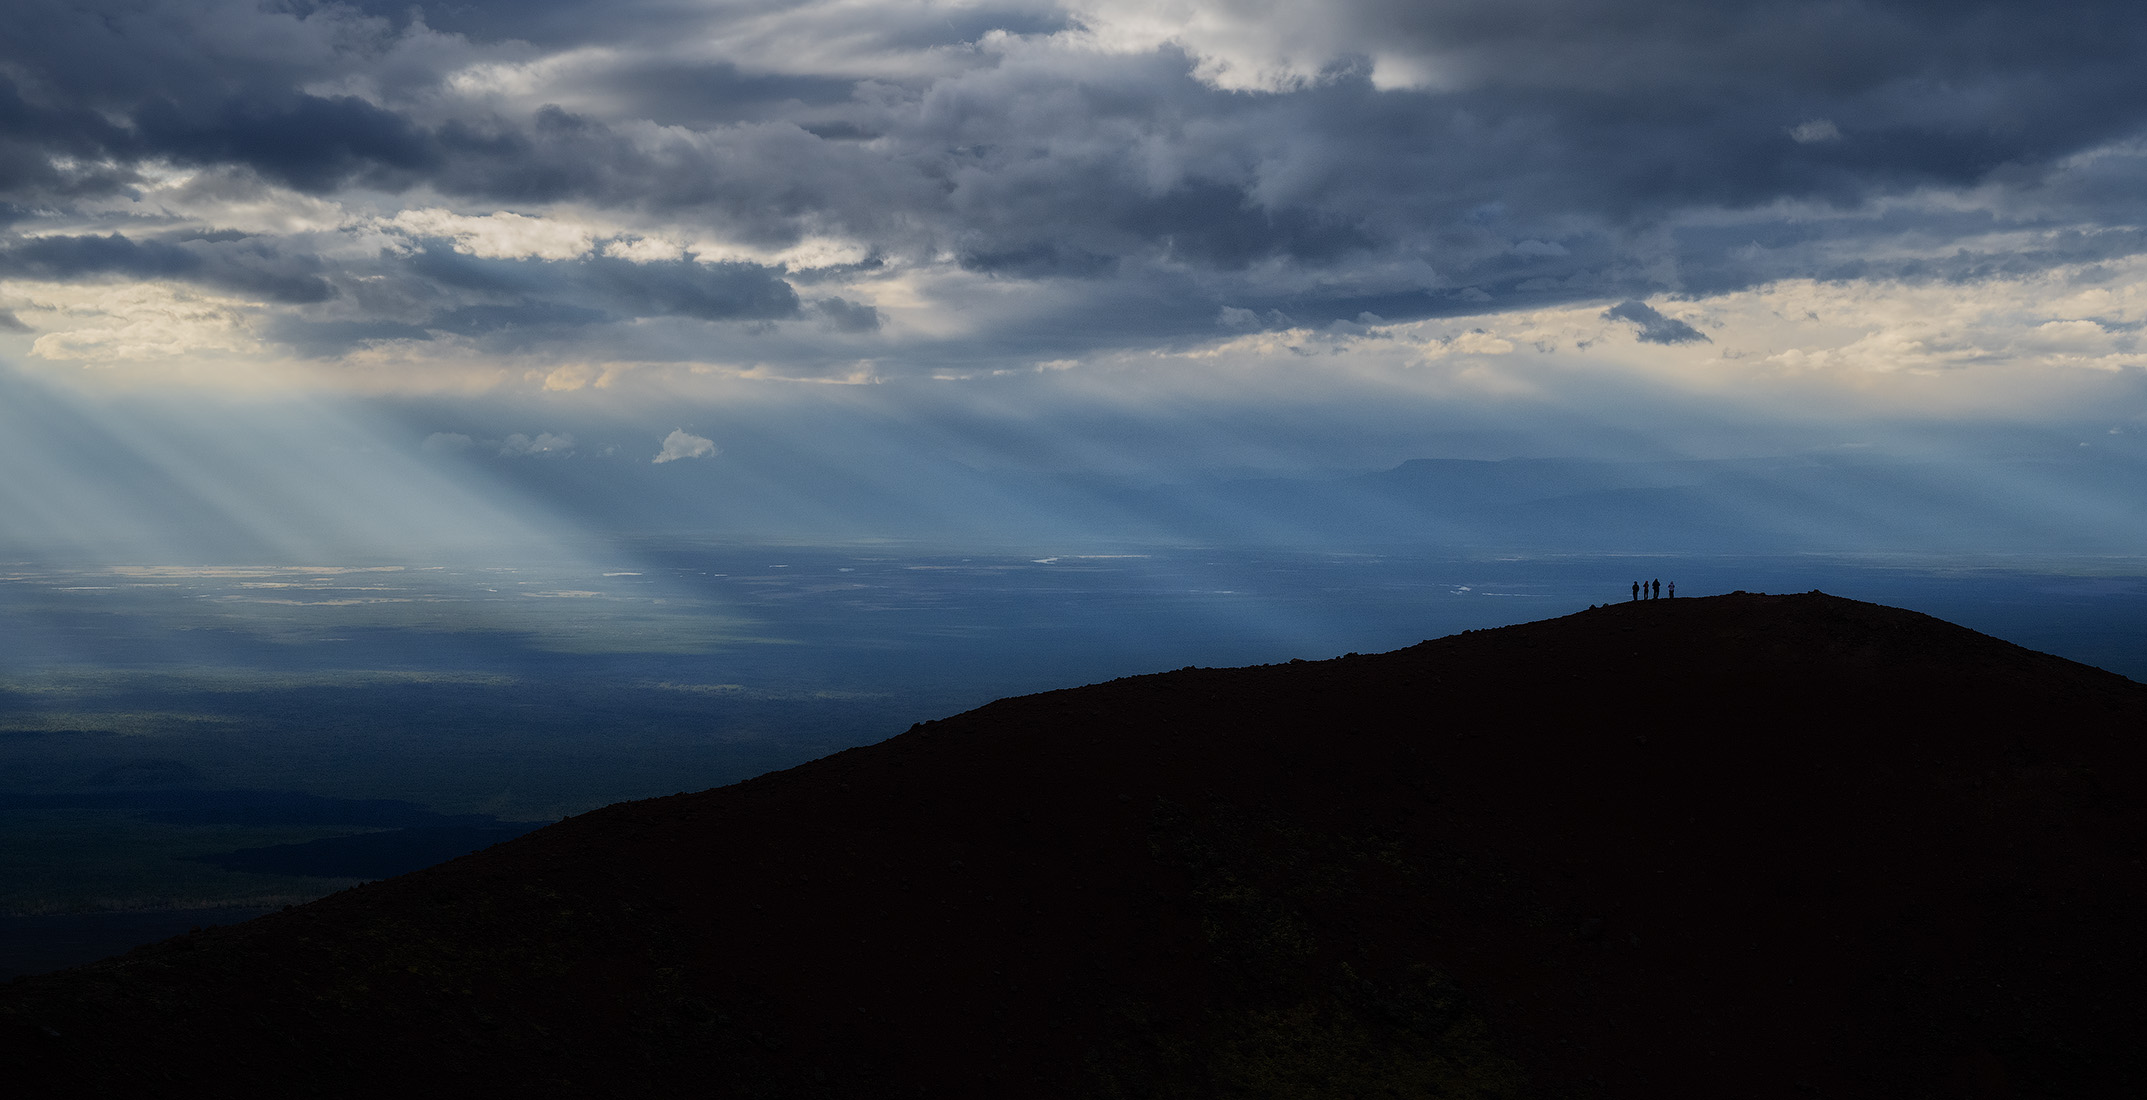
column 1673, row 590
column 1636, row 590
column 1657, row 594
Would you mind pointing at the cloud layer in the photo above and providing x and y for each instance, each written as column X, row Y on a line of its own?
column 683, row 444
column 422, row 196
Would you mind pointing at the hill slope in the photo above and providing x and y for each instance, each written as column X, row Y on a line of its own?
column 1741, row 845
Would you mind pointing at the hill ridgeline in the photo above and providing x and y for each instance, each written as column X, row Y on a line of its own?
column 1771, row 846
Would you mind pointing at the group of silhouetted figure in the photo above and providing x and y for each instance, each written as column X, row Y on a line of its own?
column 1652, row 590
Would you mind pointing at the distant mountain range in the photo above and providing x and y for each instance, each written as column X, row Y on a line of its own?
column 1743, row 845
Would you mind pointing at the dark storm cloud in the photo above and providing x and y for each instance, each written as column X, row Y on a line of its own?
column 1654, row 327
column 41, row 149
column 707, row 292
column 306, row 143
column 1218, row 225
column 763, row 184
column 527, row 298
column 1545, row 151
column 326, row 339
column 58, row 129
column 844, row 315
column 246, row 266
column 578, row 22
column 485, row 320
column 1040, row 260
column 544, row 22
column 513, row 304
column 1647, row 109
column 704, row 93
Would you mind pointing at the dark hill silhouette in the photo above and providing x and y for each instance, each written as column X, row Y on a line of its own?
column 1736, row 846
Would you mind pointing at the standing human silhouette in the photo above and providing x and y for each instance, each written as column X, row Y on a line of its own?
column 1636, row 590
column 1673, row 590
column 1657, row 594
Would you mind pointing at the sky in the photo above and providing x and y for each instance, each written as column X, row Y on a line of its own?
column 312, row 280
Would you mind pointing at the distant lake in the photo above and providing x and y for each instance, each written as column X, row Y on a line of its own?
column 155, row 720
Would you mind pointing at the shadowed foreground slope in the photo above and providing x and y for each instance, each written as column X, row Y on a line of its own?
column 1735, row 846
